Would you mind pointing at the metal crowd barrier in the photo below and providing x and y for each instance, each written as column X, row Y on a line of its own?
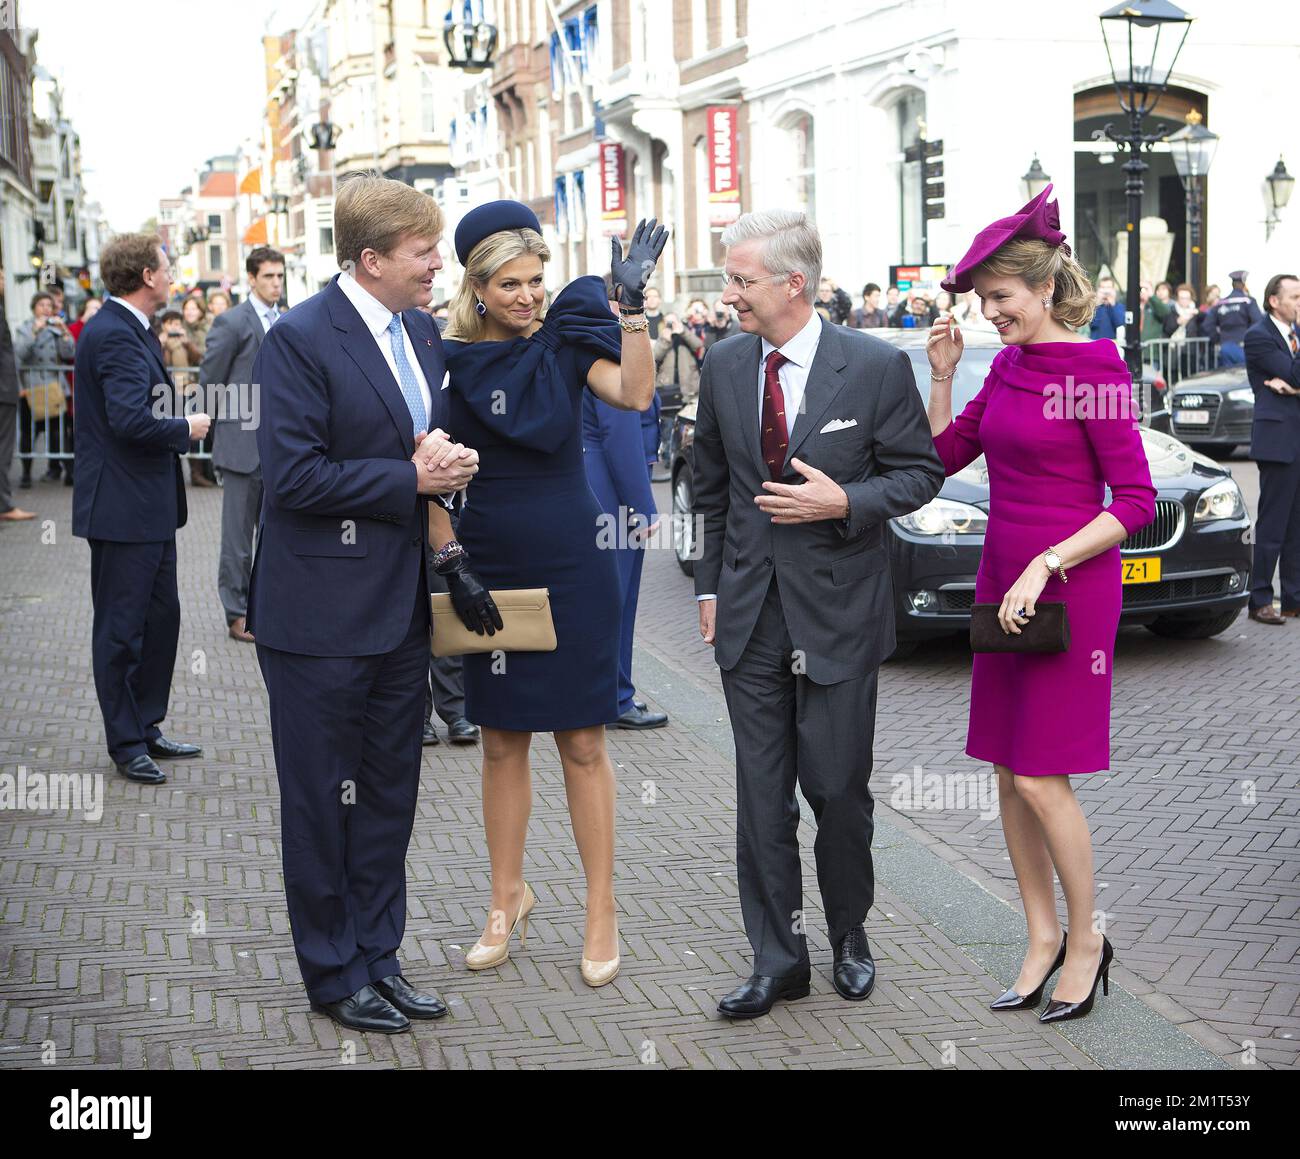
column 49, row 390
column 1177, row 359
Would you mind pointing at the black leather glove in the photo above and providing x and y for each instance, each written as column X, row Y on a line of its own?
column 631, row 274
column 472, row 601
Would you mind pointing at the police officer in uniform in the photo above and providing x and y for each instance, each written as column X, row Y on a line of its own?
column 1227, row 321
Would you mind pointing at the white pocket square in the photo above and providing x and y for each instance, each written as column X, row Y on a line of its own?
column 838, row 425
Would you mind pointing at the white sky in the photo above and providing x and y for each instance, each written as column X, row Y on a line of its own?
column 155, row 87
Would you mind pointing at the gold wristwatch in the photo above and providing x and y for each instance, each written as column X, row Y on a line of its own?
column 1053, row 562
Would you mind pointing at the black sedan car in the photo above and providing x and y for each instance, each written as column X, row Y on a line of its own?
column 1212, row 411
column 1185, row 575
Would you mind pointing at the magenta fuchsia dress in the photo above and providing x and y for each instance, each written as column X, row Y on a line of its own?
column 1050, row 456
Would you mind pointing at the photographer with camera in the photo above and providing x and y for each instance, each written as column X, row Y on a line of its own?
column 676, row 353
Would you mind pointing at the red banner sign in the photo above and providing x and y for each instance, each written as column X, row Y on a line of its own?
column 724, row 176
column 613, row 196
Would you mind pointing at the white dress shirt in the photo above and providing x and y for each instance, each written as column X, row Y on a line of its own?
column 268, row 314
column 377, row 316
column 799, row 352
column 1284, row 329
column 793, row 375
column 140, row 315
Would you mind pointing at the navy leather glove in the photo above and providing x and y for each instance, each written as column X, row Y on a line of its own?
column 472, row 601
column 631, row 274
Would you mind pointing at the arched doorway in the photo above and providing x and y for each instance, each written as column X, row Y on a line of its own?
column 1100, row 206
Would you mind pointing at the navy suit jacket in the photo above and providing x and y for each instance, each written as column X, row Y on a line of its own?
column 129, row 486
column 614, row 452
column 1275, row 431
column 342, row 532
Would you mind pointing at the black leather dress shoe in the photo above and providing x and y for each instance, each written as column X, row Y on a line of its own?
column 855, row 970
column 141, row 769
column 430, row 735
column 367, row 1009
column 759, row 993
column 164, row 749
column 401, row 995
column 460, row 731
column 641, row 718
column 641, row 704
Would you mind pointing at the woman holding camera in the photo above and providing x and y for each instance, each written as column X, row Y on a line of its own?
column 1056, row 424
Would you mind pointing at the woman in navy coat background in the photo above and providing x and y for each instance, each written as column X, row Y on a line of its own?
column 517, row 374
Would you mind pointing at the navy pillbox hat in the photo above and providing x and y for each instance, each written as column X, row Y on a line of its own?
column 492, row 218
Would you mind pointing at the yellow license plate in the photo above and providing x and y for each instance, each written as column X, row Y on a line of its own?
column 1142, row 571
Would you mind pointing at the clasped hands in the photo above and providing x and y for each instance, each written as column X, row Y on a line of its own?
column 819, row 498
column 441, row 465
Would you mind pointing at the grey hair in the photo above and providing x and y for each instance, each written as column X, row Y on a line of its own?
column 792, row 243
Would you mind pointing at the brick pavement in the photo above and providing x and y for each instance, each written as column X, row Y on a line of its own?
column 101, row 963
column 1201, row 888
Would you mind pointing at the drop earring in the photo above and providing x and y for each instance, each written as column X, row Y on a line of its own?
column 480, row 309
column 1047, row 303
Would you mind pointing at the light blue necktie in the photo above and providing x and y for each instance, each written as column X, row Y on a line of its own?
column 406, row 376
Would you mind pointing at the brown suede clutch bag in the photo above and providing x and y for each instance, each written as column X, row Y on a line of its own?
column 1048, row 630
column 525, row 614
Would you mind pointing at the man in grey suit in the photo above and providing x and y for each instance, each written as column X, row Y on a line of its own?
column 808, row 437
column 233, row 343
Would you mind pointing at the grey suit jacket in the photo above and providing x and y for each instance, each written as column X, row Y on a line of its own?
column 833, row 575
column 233, row 343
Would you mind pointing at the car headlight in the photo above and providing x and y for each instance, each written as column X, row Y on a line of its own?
column 1241, row 394
column 945, row 517
column 1222, row 501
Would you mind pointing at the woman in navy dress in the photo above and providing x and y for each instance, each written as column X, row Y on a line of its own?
column 517, row 372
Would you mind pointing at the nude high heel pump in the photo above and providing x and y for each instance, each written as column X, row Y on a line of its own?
column 601, row 973
column 481, row 957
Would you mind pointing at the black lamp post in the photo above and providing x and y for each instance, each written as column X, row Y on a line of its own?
column 1280, row 184
column 471, row 43
column 1193, row 148
column 1035, row 180
column 1146, row 36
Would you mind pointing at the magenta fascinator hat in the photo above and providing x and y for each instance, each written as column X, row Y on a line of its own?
column 1039, row 219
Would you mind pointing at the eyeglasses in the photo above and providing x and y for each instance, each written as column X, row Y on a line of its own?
column 736, row 282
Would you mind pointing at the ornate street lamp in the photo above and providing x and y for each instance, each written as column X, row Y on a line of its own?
column 324, row 134
column 1280, row 183
column 1146, row 36
column 1035, row 180
column 279, row 203
column 1193, row 148
column 471, row 43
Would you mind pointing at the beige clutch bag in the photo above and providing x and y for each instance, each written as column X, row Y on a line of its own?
column 525, row 614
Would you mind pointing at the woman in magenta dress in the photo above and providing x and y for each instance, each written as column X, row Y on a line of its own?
column 1057, row 426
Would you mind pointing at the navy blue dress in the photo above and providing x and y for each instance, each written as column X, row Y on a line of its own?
column 531, row 519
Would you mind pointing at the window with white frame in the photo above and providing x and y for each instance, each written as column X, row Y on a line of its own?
column 428, row 101
column 730, row 29
column 699, row 27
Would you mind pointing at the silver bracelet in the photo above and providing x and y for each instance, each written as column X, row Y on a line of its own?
column 450, row 550
column 940, row 377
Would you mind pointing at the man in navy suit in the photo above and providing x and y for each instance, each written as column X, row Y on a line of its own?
column 128, row 501
column 349, row 382
column 1273, row 367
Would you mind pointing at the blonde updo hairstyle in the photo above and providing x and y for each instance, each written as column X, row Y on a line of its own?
column 485, row 259
column 1035, row 262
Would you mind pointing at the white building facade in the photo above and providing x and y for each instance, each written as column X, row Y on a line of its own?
column 837, row 95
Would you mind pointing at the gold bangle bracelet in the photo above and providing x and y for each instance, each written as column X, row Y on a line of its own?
column 634, row 325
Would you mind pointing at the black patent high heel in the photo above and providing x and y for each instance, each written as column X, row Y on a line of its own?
column 1060, row 1011
column 1013, row 1001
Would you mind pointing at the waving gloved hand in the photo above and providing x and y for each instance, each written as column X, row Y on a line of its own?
column 472, row 601
column 631, row 273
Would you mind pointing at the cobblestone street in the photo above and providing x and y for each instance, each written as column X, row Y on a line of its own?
column 157, row 935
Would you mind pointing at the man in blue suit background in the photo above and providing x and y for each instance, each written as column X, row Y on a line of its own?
column 1273, row 367
column 349, row 382
column 128, row 501
column 614, row 446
